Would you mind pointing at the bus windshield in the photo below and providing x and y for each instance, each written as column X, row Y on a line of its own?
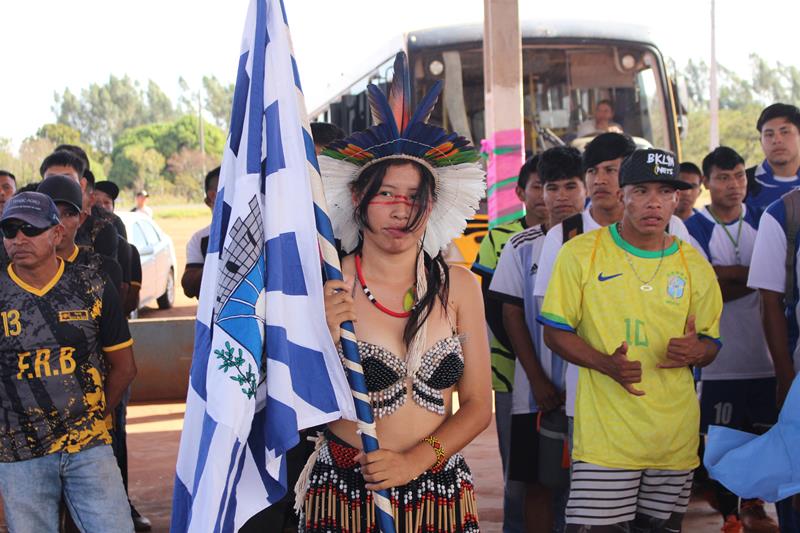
column 570, row 93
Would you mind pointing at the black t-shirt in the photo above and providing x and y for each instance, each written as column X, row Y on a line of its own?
column 136, row 266
column 119, row 225
column 107, row 266
column 99, row 235
column 124, row 258
column 52, row 366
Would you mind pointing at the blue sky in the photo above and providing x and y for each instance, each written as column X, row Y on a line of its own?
column 48, row 45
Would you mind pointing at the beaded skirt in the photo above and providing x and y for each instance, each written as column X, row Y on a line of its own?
column 438, row 501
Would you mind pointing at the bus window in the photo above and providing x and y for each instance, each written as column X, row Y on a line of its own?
column 651, row 105
column 561, row 87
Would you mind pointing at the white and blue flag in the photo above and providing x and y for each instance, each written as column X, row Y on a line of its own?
column 264, row 365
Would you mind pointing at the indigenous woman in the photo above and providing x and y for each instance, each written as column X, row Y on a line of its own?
column 398, row 193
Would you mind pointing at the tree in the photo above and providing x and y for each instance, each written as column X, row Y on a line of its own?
column 218, row 101
column 102, row 112
column 60, row 134
column 737, row 129
column 188, row 168
column 697, row 76
column 137, row 166
column 159, row 104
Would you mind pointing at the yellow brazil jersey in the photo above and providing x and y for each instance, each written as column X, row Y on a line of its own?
column 596, row 292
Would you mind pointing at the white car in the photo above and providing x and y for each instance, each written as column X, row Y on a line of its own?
column 157, row 254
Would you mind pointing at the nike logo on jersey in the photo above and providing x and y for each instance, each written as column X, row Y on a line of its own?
column 601, row 277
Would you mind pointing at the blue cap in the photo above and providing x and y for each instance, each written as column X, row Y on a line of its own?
column 34, row 208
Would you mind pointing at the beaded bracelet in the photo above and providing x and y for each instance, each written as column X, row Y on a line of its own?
column 438, row 450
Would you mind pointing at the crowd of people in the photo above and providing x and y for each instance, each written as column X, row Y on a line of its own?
column 615, row 303
column 69, row 281
column 623, row 321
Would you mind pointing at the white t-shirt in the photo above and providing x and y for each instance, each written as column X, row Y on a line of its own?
column 146, row 210
column 197, row 246
column 513, row 282
column 744, row 353
column 552, row 244
column 768, row 266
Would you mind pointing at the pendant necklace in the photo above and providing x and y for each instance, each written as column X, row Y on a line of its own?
column 408, row 297
column 645, row 285
column 728, row 233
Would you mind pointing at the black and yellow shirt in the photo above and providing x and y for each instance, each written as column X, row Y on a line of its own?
column 52, row 366
column 488, row 256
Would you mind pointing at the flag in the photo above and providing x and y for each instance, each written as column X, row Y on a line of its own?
column 759, row 466
column 264, row 365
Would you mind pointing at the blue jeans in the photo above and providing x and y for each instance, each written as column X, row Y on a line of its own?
column 513, row 491
column 89, row 480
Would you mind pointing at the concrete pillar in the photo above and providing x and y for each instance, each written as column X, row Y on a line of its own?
column 505, row 141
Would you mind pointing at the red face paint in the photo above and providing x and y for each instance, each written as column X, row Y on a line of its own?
column 397, row 199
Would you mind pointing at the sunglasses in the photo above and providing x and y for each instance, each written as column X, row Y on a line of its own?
column 10, row 230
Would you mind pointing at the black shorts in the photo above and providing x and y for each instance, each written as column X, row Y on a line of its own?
column 523, row 459
column 743, row 404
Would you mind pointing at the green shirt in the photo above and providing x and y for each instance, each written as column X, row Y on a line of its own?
column 488, row 256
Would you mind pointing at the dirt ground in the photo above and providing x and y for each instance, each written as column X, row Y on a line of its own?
column 154, row 434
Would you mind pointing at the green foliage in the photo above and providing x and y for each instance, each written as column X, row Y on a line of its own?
column 137, row 166
column 160, row 107
column 737, row 129
column 177, row 145
column 219, row 100
column 60, row 134
column 102, row 112
column 767, row 84
column 740, row 103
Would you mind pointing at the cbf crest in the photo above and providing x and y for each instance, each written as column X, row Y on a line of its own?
column 676, row 285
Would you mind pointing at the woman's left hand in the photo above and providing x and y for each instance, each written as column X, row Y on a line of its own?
column 384, row 469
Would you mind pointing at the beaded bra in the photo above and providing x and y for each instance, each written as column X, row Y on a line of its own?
column 440, row 368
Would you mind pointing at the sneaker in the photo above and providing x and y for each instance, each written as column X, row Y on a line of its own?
column 755, row 519
column 732, row 524
column 140, row 523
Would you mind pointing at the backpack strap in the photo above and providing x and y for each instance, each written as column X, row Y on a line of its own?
column 791, row 204
column 571, row 227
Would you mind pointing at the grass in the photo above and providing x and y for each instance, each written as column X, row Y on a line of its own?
column 181, row 211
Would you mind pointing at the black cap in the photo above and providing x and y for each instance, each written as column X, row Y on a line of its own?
column 34, row 208
column 62, row 189
column 108, row 187
column 651, row 165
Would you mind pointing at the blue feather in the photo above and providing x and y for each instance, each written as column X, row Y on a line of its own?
column 381, row 110
column 423, row 112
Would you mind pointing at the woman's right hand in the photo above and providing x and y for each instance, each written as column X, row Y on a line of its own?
column 339, row 306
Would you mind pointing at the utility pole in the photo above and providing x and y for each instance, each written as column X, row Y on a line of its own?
column 202, row 131
column 714, row 97
column 505, row 136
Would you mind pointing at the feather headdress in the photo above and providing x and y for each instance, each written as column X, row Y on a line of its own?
column 397, row 134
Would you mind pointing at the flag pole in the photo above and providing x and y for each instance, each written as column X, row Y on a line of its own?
column 352, row 359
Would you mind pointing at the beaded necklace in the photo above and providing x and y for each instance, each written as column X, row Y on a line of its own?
column 408, row 298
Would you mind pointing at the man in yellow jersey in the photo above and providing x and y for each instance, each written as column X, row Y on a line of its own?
column 635, row 308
